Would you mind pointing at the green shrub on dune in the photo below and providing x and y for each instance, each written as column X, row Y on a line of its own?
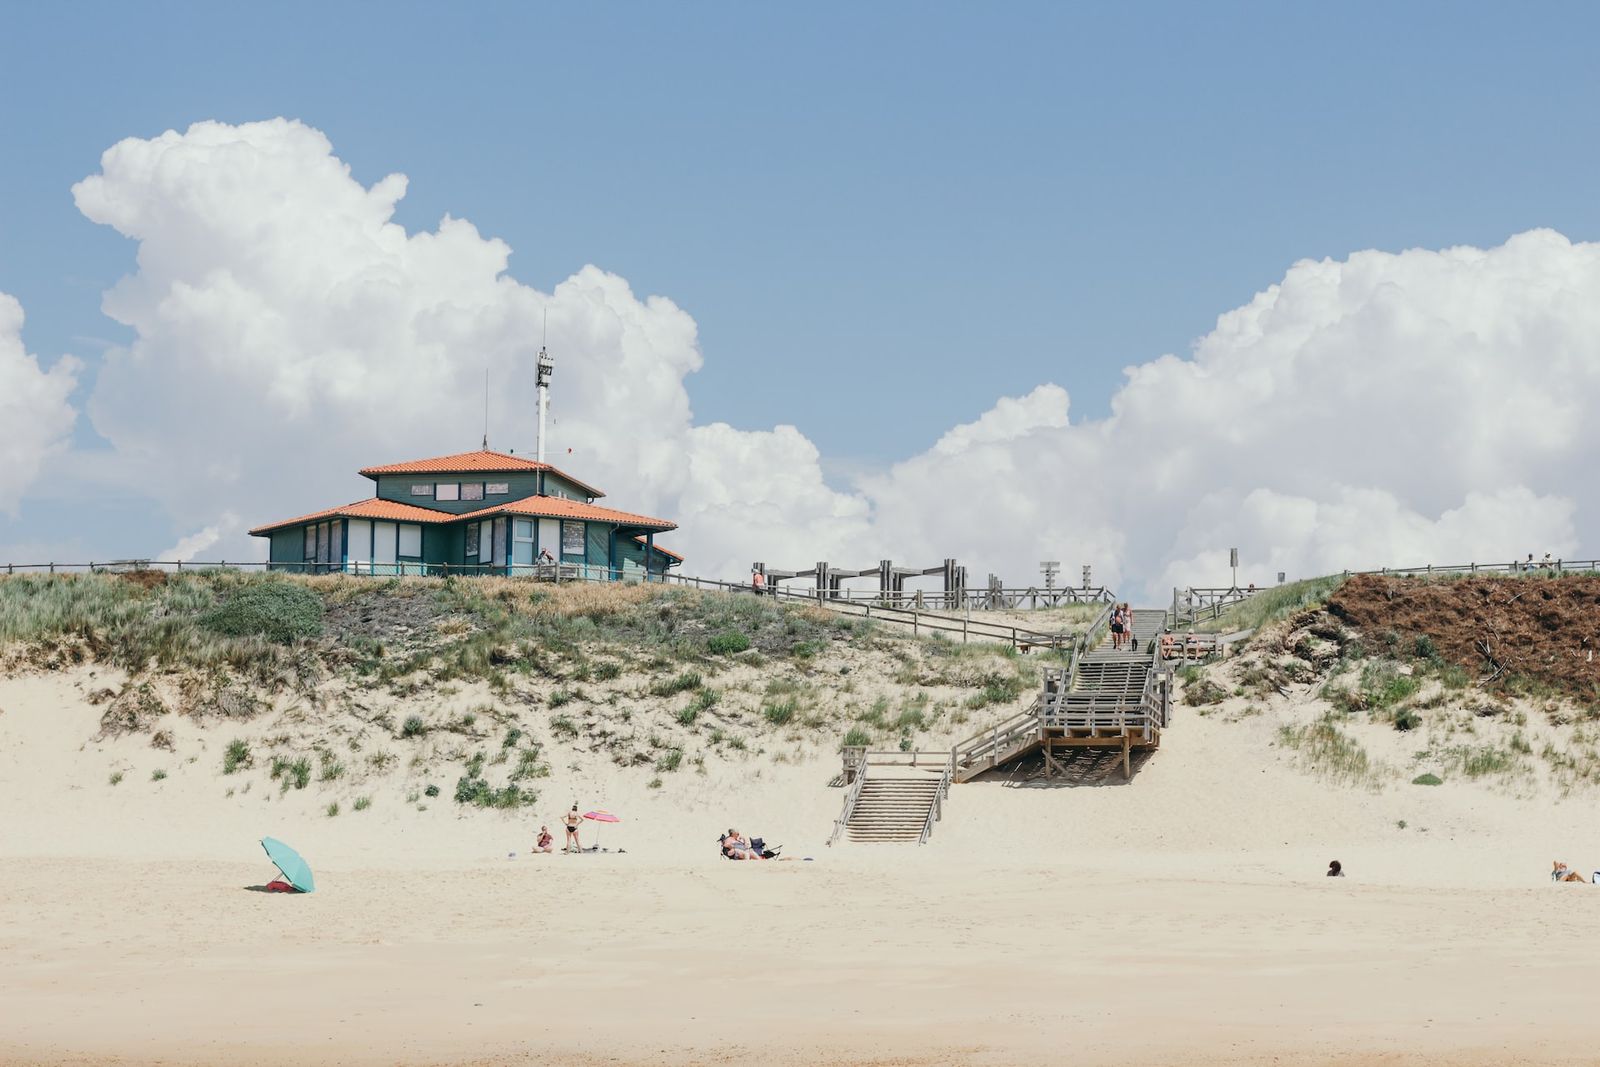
column 276, row 610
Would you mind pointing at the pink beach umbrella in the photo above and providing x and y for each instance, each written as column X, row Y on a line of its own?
column 600, row 815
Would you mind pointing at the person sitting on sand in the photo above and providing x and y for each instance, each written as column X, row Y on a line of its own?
column 735, row 847
column 545, row 843
column 1335, row 869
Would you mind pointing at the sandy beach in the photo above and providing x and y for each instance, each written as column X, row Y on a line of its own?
column 1179, row 918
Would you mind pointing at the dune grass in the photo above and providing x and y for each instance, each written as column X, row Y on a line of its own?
column 1269, row 605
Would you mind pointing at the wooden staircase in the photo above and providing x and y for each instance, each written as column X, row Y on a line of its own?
column 892, row 809
column 1108, row 698
column 896, row 797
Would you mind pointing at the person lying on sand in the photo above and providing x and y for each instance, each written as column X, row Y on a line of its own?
column 1563, row 873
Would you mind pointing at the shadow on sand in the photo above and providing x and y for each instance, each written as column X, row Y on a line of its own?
column 1084, row 767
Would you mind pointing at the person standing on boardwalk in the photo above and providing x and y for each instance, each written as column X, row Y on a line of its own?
column 572, row 820
column 758, row 582
column 1117, row 627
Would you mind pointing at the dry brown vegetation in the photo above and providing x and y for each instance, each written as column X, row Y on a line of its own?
column 1427, row 681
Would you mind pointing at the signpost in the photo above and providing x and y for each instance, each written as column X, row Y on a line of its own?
column 1051, row 568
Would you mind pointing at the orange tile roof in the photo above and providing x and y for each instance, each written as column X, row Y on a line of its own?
column 371, row 508
column 556, row 507
column 663, row 551
column 480, row 462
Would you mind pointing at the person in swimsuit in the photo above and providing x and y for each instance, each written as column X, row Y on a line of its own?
column 545, row 843
column 1116, row 628
column 572, row 820
column 737, row 848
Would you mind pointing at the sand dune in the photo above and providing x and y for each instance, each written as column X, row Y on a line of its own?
column 1179, row 918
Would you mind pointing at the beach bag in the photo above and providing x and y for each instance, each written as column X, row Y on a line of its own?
column 278, row 885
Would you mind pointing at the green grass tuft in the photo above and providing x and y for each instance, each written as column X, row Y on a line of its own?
column 780, row 712
column 856, row 737
column 727, row 643
column 237, row 756
column 681, row 684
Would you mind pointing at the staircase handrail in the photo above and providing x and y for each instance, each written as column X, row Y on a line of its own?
column 850, row 799
column 996, row 738
column 936, row 809
column 1089, row 638
column 1149, row 700
column 919, row 620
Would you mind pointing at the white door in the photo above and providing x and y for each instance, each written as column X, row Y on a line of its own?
column 361, row 545
column 383, row 544
column 550, row 537
column 521, row 546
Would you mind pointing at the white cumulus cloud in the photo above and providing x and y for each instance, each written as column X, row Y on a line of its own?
column 1383, row 409
column 36, row 412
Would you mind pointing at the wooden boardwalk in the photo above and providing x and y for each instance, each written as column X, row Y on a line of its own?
column 1108, row 699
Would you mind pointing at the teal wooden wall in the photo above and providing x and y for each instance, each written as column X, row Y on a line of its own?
column 398, row 487
column 288, row 546
column 599, row 544
column 444, row 544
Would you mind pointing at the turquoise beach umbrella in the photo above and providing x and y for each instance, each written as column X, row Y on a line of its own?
column 295, row 870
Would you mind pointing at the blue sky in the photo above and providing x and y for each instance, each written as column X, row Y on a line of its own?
column 865, row 207
column 882, row 217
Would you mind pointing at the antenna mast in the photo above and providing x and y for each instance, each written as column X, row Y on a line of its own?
column 546, row 366
column 486, row 409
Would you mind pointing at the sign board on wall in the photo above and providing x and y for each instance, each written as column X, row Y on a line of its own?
column 572, row 539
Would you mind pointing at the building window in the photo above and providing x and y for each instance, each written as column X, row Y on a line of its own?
column 472, row 541
column 522, row 541
column 422, row 490
column 572, row 541
column 497, row 488
column 410, row 540
column 471, row 490
column 447, row 491
column 311, row 544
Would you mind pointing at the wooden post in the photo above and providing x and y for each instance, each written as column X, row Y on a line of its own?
column 1127, row 765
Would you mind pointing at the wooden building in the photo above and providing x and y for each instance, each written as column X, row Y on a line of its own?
column 474, row 513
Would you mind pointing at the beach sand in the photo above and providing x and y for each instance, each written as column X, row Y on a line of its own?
column 1179, row 918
